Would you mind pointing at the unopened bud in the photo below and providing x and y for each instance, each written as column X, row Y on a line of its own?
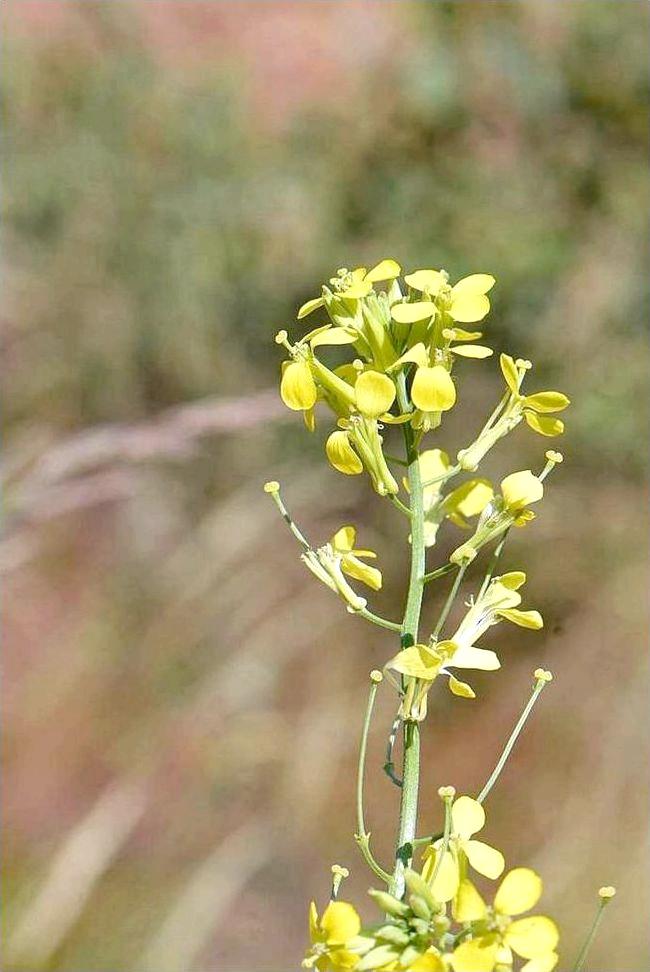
column 542, row 675
column 389, row 904
column 419, row 907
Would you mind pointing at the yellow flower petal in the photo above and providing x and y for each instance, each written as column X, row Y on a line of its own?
column 433, row 463
column 417, row 660
column 468, row 308
column 374, row 393
column 341, row 454
column 340, row 922
column 468, row 816
column 386, row 270
column 310, row 306
column 429, row 962
column 481, row 659
column 510, row 373
column 475, row 283
column 433, row 390
column 343, row 539
column 429, row 280
column 543, row 963
column 474, row 957
column 298, row 388
column 412, row 313
column 519, row 891
column 544, row 424
column 525, row 619
column 484, row 859
column 313, row 922
column 473, row 351
column 458, row 334
column 471, row 498
column 513, row 580
column 447, row 879
column 468, row 904
column 341, row 958
column 333, row 336
column 359, row 286
column 461, row 689
column 417, row 354
column 354, row 567
column 519, row 489
column 532, row 937
column 547, row 401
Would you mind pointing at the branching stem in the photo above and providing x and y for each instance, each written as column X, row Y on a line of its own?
column 514, row 735
column 362, row 836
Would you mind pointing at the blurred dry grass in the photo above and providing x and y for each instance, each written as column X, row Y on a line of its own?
column 181, row 702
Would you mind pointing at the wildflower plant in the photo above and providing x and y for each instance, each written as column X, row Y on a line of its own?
column 406, row 340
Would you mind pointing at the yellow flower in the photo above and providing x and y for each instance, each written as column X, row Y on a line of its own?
column 432, row 388
column 466, row 302
column 424, row 663
column 448, row 878
column 533, row 938
column 500, row 601
column 331, row 936
column 520, row 489
column 330, row 562
column 354, row 284
column 513, row 408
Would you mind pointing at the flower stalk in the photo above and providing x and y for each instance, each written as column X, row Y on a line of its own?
column 406, row 338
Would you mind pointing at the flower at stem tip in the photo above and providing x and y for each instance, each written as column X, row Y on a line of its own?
column 339, row 557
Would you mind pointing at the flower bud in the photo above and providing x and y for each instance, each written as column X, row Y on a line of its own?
column 389, row 904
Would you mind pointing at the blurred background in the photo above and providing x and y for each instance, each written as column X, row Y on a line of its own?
column 182, row 701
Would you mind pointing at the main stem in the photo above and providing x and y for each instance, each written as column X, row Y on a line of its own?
column 411, row 760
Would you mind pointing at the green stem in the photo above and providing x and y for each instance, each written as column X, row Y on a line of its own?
column 397, row 503
column 438, row 572
column 389, row 765
column 411, row 735
column 584, row 951
column 362, row 836
column 381, row 622
column 451, row 597
column 493, row 562
column 514, row 735
column 443, row 477
column 444, row 847
column 286, row 516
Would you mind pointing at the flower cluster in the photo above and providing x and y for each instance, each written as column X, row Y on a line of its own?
column 443, row 923
column 410, row 328
column 395, row 346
